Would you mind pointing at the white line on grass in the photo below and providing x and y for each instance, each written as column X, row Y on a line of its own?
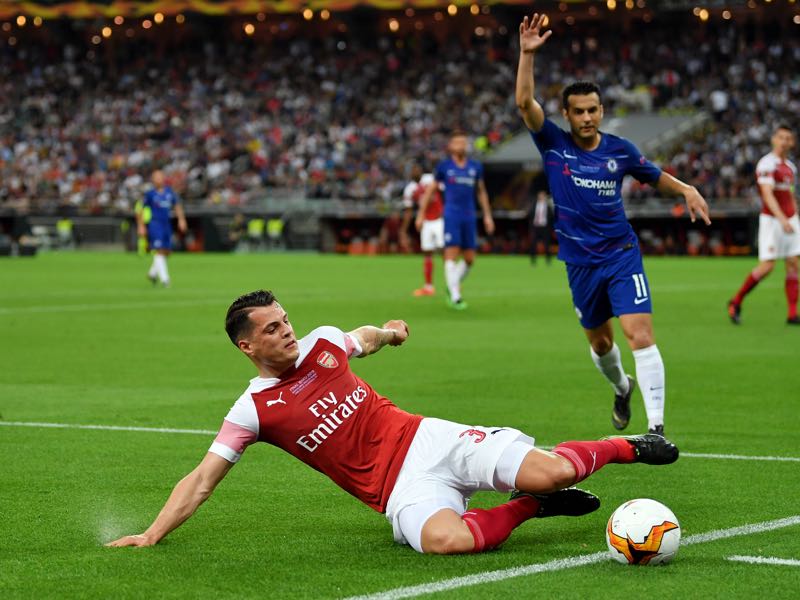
column 210, row 432
column 108, row 427
column 563, row 563
column 765, row 560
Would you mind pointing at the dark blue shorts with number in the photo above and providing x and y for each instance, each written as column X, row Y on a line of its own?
column 610, row 290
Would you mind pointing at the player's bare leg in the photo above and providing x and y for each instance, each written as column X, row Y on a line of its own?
column 608, row 360
column 791, row 290
column 452, row 273
column 638, row 329
column 753, row 278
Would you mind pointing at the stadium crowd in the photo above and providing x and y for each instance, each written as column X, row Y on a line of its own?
column 343, row 117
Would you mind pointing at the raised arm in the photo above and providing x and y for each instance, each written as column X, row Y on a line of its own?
column 371, row 339
column 188, row 494
column 667, row 184
column 530, row 40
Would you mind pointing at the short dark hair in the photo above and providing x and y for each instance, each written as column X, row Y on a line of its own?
column 784, row 126
column 579, row 88
column 237, row 320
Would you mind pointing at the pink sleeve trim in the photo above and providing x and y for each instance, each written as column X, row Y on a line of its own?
column 235, row 437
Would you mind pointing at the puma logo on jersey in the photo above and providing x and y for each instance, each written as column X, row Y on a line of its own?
column 280, row 400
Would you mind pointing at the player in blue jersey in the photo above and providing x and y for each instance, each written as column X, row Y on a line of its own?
column 461, row 181
column 585, row 168
column 160, row 201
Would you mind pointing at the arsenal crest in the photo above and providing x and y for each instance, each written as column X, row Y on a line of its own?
column 327, row 360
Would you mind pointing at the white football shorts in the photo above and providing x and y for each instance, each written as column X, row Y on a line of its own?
column 446, row 463
column 774, row 242
column 431, row 236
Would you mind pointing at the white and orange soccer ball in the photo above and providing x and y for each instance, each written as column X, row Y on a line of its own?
column 643, row 532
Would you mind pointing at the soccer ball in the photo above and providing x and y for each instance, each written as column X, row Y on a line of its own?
column 643, row 532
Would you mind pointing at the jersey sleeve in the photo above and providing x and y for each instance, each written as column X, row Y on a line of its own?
column 478, row 170
column 239, row 430
column 440, row 174
column 765, row 171
column 641, row 168
column 345, row 341
column 547, row 137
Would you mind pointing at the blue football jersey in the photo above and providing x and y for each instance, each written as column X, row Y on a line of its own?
column 460, row 186
column 586, row 186
column 161, row 205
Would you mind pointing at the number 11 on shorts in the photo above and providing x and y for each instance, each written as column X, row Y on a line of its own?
column 641, row 288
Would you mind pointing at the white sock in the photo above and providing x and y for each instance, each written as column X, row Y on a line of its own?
column 463, row 270
column 452, row 279
column 153, row 272
column 161, row 267
column 650, row 374
column 610, row 365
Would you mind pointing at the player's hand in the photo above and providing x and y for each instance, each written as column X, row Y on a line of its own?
column 787, row 226
column 488, row 224
column 400, row 329
column 697, row 206
column 530, row 36
column 418, row 222
column 138, row 541
column 182, row 226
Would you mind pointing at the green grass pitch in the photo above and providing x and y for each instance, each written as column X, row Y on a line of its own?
column 85, row 339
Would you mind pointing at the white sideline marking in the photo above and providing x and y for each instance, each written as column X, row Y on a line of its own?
column 765, row 560
column 740, row 457
column 563, row 563
column 108, row 427
column 108, row 306
column 209, row 432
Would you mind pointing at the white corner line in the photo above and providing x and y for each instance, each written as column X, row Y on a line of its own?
column 765, row 560
column 564, row 563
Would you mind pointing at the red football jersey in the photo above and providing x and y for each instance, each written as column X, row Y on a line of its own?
column 780, row 174
column 323, row 414
column 413, row 194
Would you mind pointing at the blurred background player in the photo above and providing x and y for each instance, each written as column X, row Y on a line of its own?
column 585, row 169
column 462, row 181
column 431, row 236
column 160, row 200
column 541, row 225
column 778, row 224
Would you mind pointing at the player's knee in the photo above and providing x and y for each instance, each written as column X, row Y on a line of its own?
column 602, row 345
column 446, row 540
column 642, row 338
column 561, row 473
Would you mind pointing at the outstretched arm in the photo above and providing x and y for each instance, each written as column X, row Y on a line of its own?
column 191, row 492
column 530, row 40
column 667, row 184
column 371, row 339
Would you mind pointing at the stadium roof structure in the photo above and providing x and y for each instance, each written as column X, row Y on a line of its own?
column 650, row 133
column 87, row 9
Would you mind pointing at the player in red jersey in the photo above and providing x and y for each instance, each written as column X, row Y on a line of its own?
column 778, row 225
column 431, row 236
column 420, row 472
